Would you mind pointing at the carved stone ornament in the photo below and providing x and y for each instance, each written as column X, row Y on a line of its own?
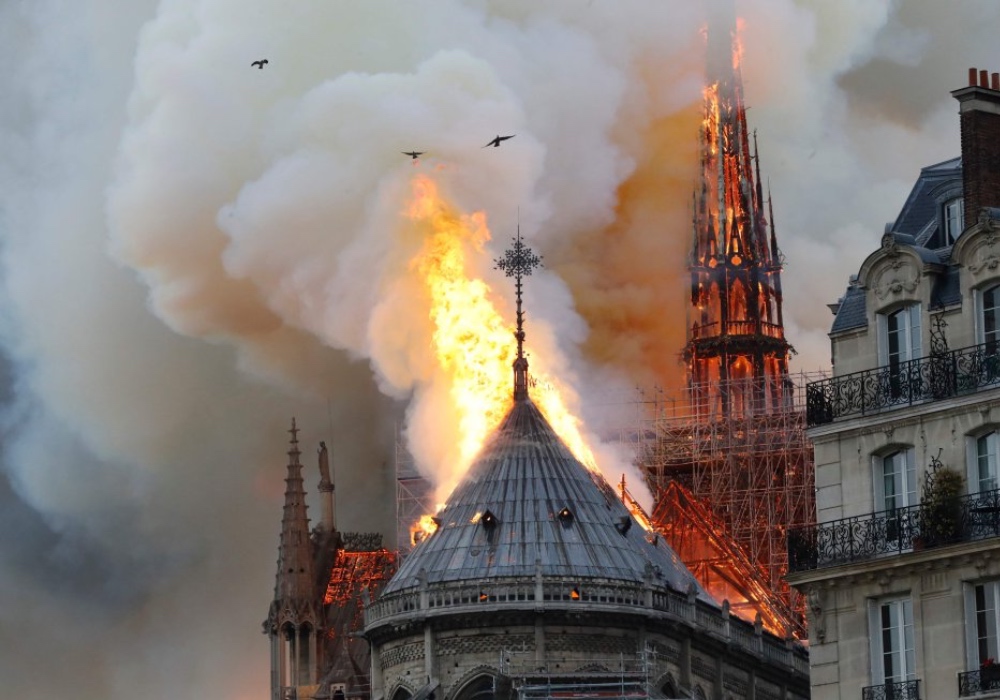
column 818, row 622
column 889, row 244
column 987, row 221
column 896, row 277
column 984, row 255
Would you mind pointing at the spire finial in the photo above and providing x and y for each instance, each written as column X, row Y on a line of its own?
column 294, row 451
column 518, row 262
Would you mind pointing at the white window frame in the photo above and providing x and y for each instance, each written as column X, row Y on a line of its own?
column 900, row 635
column 953, row 219
column 990, row 458
column 980, row 302
column 990, row 622
column 910, row 334
column 907, row 496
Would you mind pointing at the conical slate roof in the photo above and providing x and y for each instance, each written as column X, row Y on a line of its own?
column 528, row 506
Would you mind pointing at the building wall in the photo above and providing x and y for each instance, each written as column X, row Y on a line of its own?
column 934, row 580
column 460, row 656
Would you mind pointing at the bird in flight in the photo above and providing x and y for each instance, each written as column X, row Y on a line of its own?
column 413, row 154
column 496, row 142
column 259, row 64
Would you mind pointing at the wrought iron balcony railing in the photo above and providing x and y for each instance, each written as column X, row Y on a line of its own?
column 975, row 682
column 888, row 532
column 899, row 690
column 940, row 376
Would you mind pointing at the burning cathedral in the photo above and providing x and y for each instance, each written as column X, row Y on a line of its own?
column 537, row 580
column 537, row 583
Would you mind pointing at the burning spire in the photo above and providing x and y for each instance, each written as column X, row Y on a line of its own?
column 736, row 352
column 519, row 262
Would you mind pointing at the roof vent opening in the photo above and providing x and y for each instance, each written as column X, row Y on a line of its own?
column 489, row 521
column 623, row 525
column 566, row 517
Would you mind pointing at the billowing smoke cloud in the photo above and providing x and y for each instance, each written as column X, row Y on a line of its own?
column 194, row 250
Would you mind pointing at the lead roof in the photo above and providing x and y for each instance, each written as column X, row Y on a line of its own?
column 524, row 477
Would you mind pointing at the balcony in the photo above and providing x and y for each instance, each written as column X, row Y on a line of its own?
column 898, row 690
column 889, row 532
column 940, row 376
column 984, row 680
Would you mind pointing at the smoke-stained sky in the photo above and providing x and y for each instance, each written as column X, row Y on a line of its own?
column 193, row 251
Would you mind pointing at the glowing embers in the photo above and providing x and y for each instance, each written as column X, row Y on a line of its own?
column 574, row 593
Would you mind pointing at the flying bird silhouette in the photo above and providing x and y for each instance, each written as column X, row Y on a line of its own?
column 413, row 154
column 496, row 142
column 259, row 64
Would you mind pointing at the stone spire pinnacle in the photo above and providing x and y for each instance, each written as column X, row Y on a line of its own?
column 518, row 262
column 295, row 578
column 326, row 489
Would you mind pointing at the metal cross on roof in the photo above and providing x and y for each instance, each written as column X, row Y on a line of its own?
column 518, row 262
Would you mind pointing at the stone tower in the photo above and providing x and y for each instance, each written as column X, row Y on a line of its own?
column 293, row 621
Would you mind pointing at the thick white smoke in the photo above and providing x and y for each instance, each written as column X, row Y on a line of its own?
column 195, row 250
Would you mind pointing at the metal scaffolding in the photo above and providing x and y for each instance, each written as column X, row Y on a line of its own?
column 753, row 472
column 414, row 497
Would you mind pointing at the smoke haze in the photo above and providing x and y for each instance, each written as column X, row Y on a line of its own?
column 194, row 250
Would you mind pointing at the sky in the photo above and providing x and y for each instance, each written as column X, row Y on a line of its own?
column 192, row 251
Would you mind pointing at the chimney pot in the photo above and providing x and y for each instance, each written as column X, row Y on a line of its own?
column 984, row 78
column 995, row 81
column 972, row 77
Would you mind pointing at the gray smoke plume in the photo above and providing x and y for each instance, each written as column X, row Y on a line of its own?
column 194, row 251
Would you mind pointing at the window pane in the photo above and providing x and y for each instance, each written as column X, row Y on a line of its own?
column 991, row 311
column 986, row 620
column 986, row 460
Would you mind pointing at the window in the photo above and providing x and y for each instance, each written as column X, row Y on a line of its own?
column 988, row 317
column 899, row 336
column 981, row 622
column 895, row 480
column 954, row 219
column 890, row 626
column 982, row 454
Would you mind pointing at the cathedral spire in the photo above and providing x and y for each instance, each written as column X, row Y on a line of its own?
column 518, row 262
column 295, row 578
column 736, row 352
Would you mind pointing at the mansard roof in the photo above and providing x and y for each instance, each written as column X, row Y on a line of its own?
column 919, row 215
column 918, row 230
column 528, row 506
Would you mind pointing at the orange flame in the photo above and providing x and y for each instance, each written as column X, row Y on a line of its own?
column 423, row 528
column 472, row 342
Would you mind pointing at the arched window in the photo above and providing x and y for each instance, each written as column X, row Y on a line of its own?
column 669, row 688
column 480, row 688
column 402, row 694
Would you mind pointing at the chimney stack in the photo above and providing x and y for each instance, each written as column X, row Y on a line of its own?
column 979, row 114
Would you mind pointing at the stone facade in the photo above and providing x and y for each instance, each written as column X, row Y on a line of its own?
column 894, row 609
